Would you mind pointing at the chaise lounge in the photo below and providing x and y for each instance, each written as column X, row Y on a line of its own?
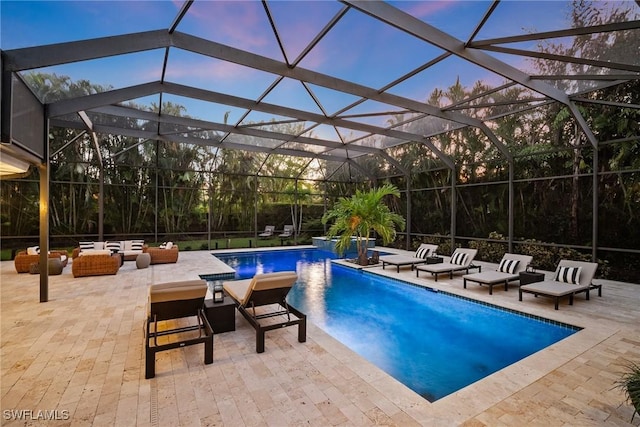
column 268, row 231
column 508, row 271
column 287, row 232
column 268, row 292
column 570, row 278
column 423, row 252
column 176, row 300
column 461, row 260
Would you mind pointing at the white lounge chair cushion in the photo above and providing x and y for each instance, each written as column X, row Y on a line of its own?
column 176, row 291
column 569, row 275
column 241, row 290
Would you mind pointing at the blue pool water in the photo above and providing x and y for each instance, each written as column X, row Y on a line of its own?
column 433, row 342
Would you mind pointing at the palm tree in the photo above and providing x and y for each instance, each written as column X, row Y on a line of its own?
column 358, row 215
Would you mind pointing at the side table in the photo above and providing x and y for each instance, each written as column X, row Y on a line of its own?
column 527, row 277
column 221, row 315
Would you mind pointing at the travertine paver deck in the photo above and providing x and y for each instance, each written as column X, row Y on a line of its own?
column 79, row 358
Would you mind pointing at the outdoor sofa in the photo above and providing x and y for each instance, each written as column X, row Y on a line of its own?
column 96, row 263
column 569, row 279
column 461, row 260
column 508, row 271
column 129, row 249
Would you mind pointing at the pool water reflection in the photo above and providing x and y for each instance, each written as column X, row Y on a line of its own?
column 433, row 342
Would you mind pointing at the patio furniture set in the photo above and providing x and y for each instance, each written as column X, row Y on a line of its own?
column 98, row 258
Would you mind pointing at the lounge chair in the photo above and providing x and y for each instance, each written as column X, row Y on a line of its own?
column 268, row 231
column 287, row 232
column 423, row 252
column 508, row 271
column 461, row 260
column 570, row 278
column 176, row 300
column 268, row 292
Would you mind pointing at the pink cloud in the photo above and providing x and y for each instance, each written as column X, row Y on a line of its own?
column 424, row 9
column 239, row 24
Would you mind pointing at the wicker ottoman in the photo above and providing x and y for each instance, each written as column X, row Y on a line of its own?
column 143, row 260
column 55, row 267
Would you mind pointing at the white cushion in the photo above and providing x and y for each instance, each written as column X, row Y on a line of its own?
column 508, row 265
column 169, row 245
column 569, row 275
column 125, row 245
column 98, row 246
column 92, row 252
column 33, row 250
column 127, row 253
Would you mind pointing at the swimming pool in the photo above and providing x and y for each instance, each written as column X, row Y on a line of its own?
column 433, row 342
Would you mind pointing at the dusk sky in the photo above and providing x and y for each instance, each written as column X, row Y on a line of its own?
column 359, row 48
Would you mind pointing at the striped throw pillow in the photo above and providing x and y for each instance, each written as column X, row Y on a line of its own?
column 85, row 245
column 569, row 275
column 459, row 258
column 137, row 245
column 508, row 266
column 113, row 246
column 422, row 252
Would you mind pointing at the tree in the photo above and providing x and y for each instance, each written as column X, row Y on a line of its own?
column 359, row 215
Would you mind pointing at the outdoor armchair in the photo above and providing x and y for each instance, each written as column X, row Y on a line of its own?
column 23, row 260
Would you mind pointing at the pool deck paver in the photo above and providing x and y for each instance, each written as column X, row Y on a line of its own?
column 81, row 354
